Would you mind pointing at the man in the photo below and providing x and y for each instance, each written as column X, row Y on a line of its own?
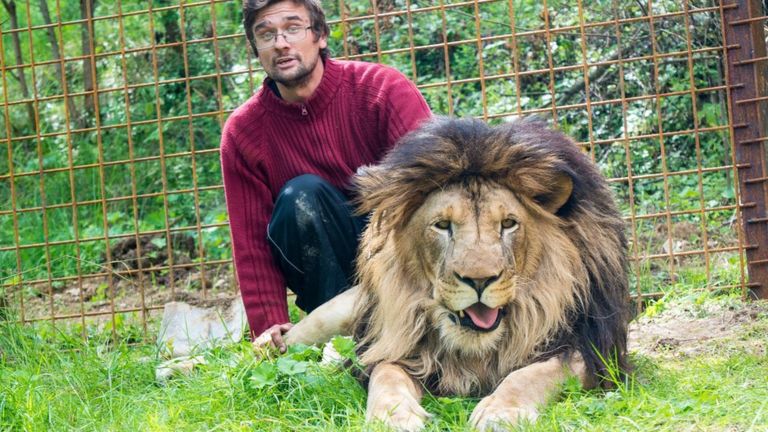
column 287, row 156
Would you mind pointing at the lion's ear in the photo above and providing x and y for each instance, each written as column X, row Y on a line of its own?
column 559, row 191
column 370, row 187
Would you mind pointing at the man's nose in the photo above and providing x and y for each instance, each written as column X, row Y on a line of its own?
column 281, row 41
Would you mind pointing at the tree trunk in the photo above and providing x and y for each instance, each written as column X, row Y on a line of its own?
column 10, row 6
column 86, row 13
column 55, row 50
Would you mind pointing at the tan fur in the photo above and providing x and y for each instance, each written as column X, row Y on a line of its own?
column 393, row 398
column 332, row 318
column 523, row 391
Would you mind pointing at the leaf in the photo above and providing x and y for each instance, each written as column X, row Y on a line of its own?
column 683, row 405
column 301, row 352
column 345, row 347
column 289, row 366
column 265, row 374
column 159, row 242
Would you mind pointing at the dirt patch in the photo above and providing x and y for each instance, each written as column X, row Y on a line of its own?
column 146, row 272
column 689, row 327
column 99, row 295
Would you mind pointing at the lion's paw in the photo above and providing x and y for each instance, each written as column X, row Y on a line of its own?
column 262, row 346
column 263, row 340
column 404, row 414
column 494, row 414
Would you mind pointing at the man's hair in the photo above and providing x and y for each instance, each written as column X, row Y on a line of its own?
column 319, row 26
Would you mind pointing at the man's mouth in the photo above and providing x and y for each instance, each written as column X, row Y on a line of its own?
column 479, row 317
column 285, row 61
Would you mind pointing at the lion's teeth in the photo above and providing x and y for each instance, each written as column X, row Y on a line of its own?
column 461, row 314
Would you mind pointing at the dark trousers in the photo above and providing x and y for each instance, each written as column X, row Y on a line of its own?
column 314, row 237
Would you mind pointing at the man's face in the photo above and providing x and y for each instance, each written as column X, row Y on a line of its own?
column 290, row 64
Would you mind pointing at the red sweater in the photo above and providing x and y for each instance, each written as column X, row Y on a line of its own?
column 356, row 114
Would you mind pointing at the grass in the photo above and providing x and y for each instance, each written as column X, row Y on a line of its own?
column 53, row 380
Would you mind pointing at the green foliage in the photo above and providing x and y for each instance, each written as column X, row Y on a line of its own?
column 345, row 347
column 265, row 374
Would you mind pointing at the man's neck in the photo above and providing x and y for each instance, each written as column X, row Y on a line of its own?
column 302, row 93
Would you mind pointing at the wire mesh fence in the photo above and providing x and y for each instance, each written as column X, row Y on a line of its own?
column 110, row 192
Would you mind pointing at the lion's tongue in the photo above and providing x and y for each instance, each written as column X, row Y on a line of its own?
column 483, row 316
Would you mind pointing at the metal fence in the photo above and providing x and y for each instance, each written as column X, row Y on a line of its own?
column 110, row 196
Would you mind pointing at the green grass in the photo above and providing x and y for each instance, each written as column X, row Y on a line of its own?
column 53, row 380
column 692, row 394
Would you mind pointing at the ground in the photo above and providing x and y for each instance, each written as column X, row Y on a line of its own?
column 92, row 295
column 702, row 324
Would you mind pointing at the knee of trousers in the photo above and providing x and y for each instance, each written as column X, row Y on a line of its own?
column 299, row 200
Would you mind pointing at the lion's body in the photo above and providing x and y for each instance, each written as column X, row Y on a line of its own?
column 490, row 252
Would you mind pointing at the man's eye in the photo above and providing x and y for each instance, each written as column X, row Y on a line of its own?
column 293, row 30
column 268, row 36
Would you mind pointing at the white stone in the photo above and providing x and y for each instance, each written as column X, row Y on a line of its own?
column 177, row 366
column 188, row 329
column 331, row 357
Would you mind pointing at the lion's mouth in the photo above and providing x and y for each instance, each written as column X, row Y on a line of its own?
column 480, row 317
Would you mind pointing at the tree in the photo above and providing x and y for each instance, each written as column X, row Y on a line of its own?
column 87, row 43
column 56, row 52
column 10, row 6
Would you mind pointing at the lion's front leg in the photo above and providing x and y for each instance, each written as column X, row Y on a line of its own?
column 393, row 397
column 523, row 391
column 330, row 319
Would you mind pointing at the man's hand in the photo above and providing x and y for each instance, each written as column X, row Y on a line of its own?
column 273, row 336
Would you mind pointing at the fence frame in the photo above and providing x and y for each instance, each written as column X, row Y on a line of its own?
column 746, row 74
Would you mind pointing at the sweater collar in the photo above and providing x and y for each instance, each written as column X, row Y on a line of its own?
column 323, row 95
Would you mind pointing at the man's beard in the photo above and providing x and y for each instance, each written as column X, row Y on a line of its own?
column 297, row 78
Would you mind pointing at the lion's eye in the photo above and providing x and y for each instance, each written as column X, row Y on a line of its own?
column 443, row 225
column 508, row 223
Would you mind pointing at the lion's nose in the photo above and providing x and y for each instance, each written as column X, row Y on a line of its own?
column 478, row 284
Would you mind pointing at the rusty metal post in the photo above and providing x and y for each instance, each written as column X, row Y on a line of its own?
column 747, row 63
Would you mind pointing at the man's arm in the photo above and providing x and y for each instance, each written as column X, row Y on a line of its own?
column 249, row 204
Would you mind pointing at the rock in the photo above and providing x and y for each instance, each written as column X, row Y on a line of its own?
column 331, row 357
column 221, row 284
column 187, row 329
column 177, row 366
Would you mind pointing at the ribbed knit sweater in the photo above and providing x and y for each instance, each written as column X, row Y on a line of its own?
column 356, row 114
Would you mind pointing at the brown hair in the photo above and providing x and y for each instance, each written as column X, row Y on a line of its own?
column 252, row 8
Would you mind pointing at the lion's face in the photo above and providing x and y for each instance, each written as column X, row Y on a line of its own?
column 472, row 243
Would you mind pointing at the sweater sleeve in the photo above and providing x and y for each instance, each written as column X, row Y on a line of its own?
column 249, row 205
column 405, row 109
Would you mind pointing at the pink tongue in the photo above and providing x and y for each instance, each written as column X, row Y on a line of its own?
column 482, row 315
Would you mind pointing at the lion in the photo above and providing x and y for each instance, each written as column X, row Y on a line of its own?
column 493, row 266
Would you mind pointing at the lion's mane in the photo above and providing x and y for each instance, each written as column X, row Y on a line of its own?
column 587, row 315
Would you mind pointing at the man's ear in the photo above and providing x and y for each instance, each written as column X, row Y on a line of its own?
column 557, row 194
